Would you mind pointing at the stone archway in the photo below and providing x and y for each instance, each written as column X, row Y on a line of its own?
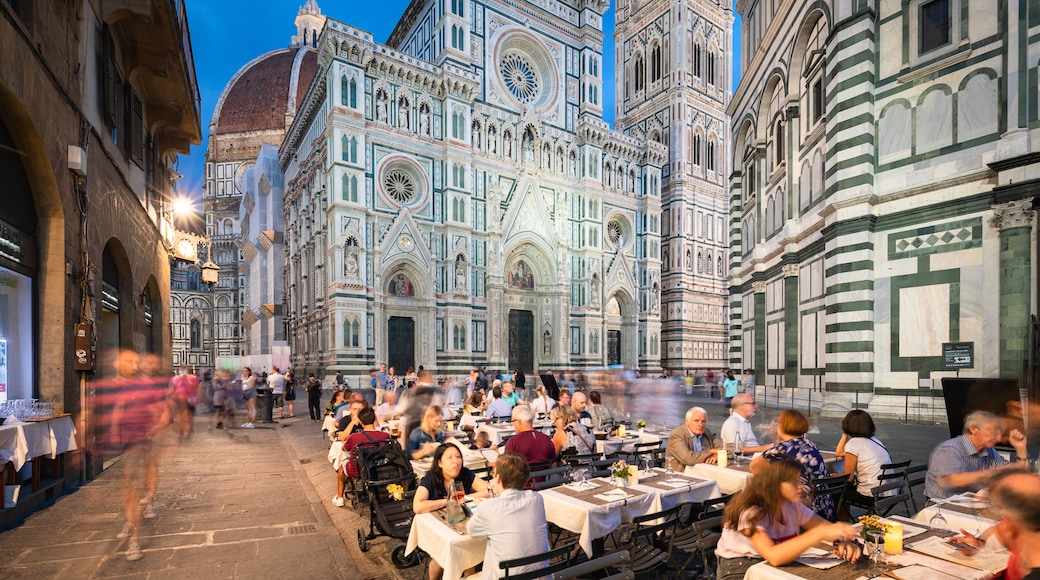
column 529, row 329
column 620, row 330
column 405, row 318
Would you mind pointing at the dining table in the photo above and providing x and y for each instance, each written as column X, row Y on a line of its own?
column 596, row 509
column 23, row 442
column 924, row 557
column 964, row 511
column 449, row 545
column 735, row 476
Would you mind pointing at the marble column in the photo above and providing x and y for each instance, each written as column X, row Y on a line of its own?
column 790, row 325
column 759, row 286
column 1014, row 220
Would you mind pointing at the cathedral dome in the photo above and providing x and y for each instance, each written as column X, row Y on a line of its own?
column 265, row 93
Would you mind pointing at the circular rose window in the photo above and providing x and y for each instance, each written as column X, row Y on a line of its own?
column 615, row 232
column 399, row 185
column 520, row 77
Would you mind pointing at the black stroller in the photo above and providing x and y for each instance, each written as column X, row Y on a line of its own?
column 382, row 464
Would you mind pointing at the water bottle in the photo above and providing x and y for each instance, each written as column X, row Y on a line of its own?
column 454, row 513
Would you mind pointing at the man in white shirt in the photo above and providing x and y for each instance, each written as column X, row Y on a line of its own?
column 276, row 380
column 513, row 523
column 388, row 410
column 737, row 429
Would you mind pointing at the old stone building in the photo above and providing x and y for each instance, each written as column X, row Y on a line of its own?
column 454, row 196
column 883, row 197
column 96, row 101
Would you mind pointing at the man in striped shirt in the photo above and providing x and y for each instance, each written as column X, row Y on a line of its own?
column 963, row 463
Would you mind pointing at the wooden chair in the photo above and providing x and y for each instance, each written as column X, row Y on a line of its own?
column 650, row 541
column 915, row 477
column 833, row 486
column 559, row 559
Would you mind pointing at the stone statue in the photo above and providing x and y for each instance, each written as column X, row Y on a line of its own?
column 547, row 342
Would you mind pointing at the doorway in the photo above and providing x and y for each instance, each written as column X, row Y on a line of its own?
column 613, row 347
column 400, row 335
column 521, row 340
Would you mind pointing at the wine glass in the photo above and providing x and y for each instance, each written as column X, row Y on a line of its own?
column 878, row 560
column 668, row 471
column 585, row 473
column 937, row 520
column 647, row 467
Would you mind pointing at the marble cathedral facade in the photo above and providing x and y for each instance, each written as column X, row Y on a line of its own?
column 454, row 197
column 883, row 197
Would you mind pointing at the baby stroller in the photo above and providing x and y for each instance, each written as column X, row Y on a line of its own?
column 382, row 464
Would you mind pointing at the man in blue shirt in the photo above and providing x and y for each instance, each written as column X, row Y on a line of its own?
column 963, row 463
column 499, row 407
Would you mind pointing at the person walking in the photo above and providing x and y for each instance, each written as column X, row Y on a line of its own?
column 249, row 396
column 314, row 397
column 276, row 381
column 730, row 387
column 290, row 391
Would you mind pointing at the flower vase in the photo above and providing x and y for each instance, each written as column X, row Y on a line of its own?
column 618, row 481
column 641, row 430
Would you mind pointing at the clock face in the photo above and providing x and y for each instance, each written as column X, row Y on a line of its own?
column 186, row 249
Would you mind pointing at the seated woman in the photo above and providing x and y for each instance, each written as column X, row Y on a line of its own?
column 769, row 521
column 791, row 428
column 423, row 441
column 601, row 414
column 432, row 493
column 542, row 402
column 334, row 403
column 864, row 455
column 474, row 404
column 571, row 435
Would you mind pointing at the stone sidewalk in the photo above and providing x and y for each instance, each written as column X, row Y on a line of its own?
column 232, row 503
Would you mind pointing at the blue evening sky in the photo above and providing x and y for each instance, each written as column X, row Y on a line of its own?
column 226, row 35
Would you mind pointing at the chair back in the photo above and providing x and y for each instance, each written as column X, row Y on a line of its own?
column 833, row 486
column 914, row 476
column 559, row 559
column 549, row 478
column 885, row 500
column 615, row 560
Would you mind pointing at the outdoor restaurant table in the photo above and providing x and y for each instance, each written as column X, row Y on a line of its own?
column 454, row 551
column 23, row 442
column 735, row 476
column 496, row 431
column 471, row 458
column 592, row 517
column 929, row 560
column 962, row 511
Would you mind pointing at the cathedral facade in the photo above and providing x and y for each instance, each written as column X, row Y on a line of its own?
column 454, row 197
column 884, row 199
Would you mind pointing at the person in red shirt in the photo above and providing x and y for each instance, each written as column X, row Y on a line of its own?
column 350, row 469
column 536, row 446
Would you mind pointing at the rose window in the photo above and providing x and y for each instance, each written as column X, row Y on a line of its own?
column 520, row 77
column 399, row 186
column 615, row 232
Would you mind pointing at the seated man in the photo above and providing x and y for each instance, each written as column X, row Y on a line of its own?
column 513, row 523
column 350, row 423
column 368, row 434
column 962, row 464
column 1015, row 498
column 509, row 393
column 692, row 443
column 388, row 410
column 534, row 445
column 580, row 403
column 499, row 407
column 737, row 429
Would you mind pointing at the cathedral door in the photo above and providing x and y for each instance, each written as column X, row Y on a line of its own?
column 521, row 340
column 613, row 347
column 400, row 335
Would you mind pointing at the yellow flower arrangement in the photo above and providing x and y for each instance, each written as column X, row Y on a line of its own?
column 620, row 469
column 872, row 522
column 640, row 424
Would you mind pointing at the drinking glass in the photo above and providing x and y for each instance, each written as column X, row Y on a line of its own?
column 878, row 560
column 937, row 520
column 585, row 473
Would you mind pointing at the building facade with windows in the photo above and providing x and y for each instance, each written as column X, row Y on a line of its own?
column 883, row 197
column 454, row 197
column 96, row 103
column 673, row 83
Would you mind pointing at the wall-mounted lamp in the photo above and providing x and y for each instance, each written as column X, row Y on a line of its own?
column 143, row 298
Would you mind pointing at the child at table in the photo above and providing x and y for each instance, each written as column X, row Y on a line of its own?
column 769, row 521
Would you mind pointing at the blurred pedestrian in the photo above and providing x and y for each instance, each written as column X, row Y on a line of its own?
column 249, row 396
column 276, row 381
column 290, row 391
column 314, row 397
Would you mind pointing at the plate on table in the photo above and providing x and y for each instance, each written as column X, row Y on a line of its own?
column 819, row 559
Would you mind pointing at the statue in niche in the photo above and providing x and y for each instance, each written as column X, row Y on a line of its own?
column 460, row 275
column 528, row 151
column 382, row 107
column 595, row 292
column 507, row 144
column 350, row 265
column 424, row 119
column 547, row 342
column 402, row 114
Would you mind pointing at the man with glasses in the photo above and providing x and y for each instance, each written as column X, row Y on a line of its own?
column 536, row 446
column 736, row 431
column 963, row 463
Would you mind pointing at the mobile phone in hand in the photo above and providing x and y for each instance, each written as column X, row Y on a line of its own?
column 961, row 546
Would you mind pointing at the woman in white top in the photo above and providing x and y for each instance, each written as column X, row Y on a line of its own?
column 249, row 395
column 864, row 455
column 768, row 521
column 542, row 403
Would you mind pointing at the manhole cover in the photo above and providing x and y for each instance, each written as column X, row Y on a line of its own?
column 297, row 530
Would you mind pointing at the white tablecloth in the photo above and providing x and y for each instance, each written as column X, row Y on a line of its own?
column 730, row 480
column 953, row 510
column 22, row 442
column 453, row 551
column 496, row 431
column 591, row 521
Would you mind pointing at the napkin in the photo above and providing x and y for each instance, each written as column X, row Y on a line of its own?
column 677, row 482
column 819, row 559
column 612, row 495
column 920, row 573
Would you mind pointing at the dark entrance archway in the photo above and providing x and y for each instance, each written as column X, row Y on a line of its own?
column 400, row 332
column 521, row 339
column 613, row 347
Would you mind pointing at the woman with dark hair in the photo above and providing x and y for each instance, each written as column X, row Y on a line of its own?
column 434, row 487
column 864, row 455
column 767, row 520
column 791, row 428
column 601, row 414
column 520, row 382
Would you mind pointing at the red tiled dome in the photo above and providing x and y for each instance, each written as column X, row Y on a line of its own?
column 258, row 97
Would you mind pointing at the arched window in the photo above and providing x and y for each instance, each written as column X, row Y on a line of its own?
column 459, row 341
column 655, row 63
column 778, row 142
column 697, row 56
column 229, row 227
column 196, row 334
column 638, row 70
column 344, row 91
column 697, row 144
column 711, row 67
column 353, row 94
column 711, row 155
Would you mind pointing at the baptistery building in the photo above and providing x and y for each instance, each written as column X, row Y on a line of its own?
column 454, row 197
